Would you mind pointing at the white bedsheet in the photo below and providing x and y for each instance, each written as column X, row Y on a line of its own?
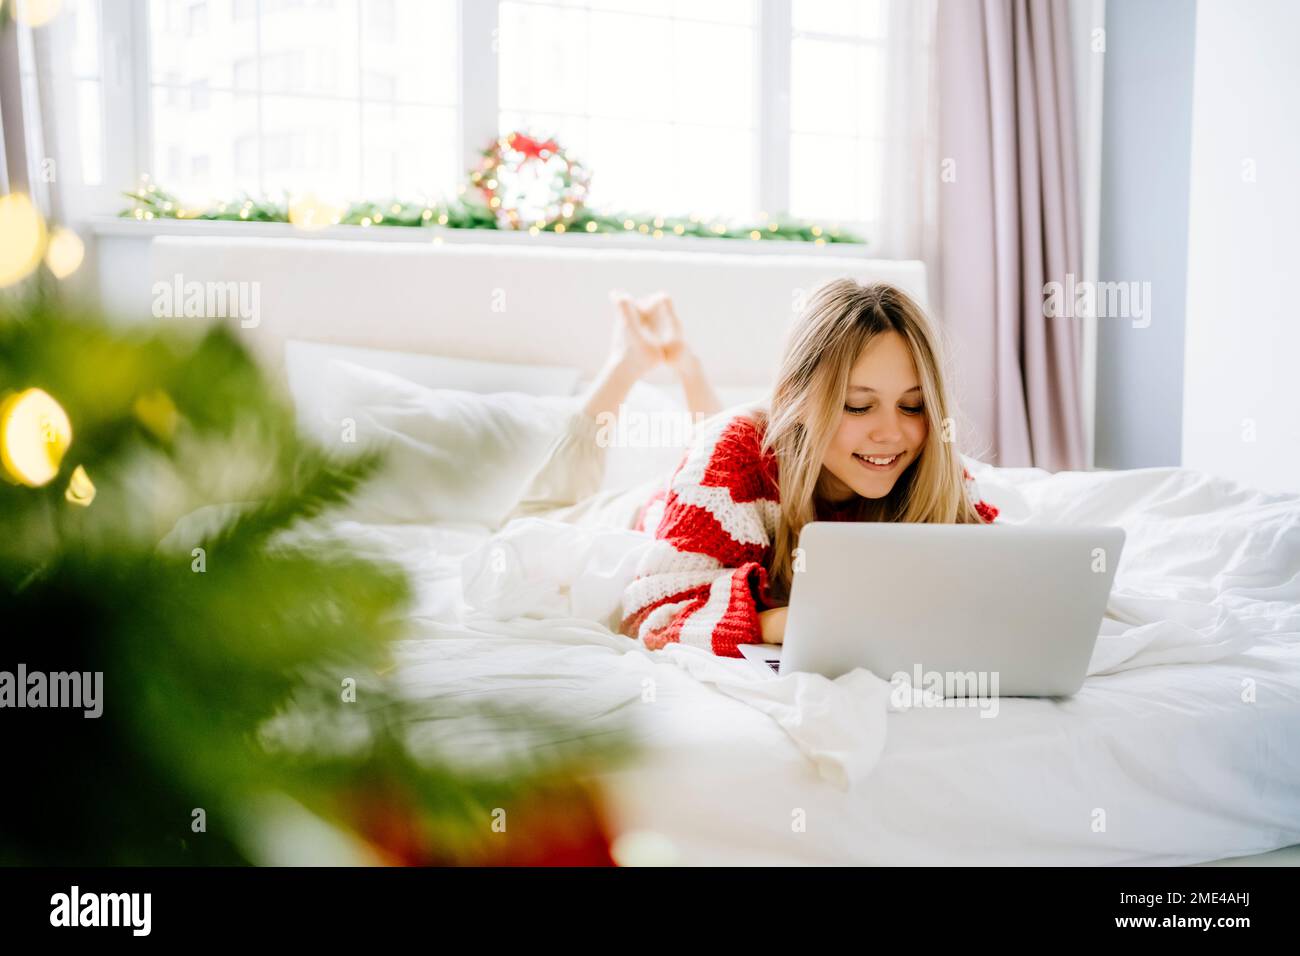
column 1183, row 745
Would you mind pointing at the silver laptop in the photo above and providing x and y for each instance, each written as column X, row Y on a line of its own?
column 1014, row 609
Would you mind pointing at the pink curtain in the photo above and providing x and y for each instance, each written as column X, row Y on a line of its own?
column 1008, row 224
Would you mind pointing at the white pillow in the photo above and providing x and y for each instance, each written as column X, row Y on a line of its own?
column 306, row 367
column 452, row 455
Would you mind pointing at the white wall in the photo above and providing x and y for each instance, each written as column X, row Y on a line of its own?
column 1243, row 328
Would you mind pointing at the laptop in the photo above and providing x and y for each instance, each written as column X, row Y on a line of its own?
column 964, row 609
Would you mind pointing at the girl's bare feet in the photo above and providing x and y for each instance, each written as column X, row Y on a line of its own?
column 633, row 352
column 661, row 316
column 635, row 347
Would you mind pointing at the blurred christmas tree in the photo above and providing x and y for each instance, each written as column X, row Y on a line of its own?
column 243, row 712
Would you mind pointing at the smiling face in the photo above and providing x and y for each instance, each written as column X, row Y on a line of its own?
column 884, row 418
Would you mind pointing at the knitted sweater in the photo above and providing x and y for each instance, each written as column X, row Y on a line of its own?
column 704, row 580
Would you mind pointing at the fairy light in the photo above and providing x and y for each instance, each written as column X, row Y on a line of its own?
column 81, row 490
column 559, row 227
column 365, row 221
column 816, row 230
column 309, row 213
column 427, row 215
column 395, row 209
column 658, row 233
column 533, row 230
column 628, row 224
column 679, row 229
column 64, row 253
column 442, row 219
column 22, row 238
column 34, row 434
column 819, row 242
column 591, row 226
column 755, row 234
column 659, row 223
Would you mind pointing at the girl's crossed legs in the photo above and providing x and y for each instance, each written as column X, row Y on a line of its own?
column 566, row 486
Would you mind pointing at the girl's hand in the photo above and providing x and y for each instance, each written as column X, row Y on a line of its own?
column 772, row 622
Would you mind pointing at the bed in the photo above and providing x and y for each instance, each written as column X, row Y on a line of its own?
column 1183, row 746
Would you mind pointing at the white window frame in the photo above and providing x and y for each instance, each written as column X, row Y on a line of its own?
column 128, row 107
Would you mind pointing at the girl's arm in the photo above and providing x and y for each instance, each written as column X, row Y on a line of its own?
column 772, row 622
column 704, row 581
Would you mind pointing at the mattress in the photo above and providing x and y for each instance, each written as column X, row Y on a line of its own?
column 1183, row 746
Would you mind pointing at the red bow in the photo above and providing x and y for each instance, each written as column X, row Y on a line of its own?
column 530, row 147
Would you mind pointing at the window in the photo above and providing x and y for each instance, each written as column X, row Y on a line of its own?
column 840, row 46
column 88, row 90
column 345, row 98
column 727, row 108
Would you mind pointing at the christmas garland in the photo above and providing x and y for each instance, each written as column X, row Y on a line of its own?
column 522, row 182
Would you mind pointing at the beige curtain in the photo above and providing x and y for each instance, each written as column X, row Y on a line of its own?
column 1008, row 224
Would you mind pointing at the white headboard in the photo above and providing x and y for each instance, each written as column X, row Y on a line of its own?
column 506, row 303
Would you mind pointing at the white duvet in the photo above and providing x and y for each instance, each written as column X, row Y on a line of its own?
column 1182, row 746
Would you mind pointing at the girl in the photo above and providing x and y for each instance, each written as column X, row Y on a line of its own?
column 857, row 428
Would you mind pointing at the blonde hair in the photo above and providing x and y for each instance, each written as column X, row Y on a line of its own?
column 842, row 318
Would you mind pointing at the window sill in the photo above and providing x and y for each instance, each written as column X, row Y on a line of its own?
column 115, row 227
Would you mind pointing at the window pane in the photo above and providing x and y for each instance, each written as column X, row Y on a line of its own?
column 661, row 108
column 624, row 80
column 205, row 154
column 836, row 88
column 310, row 48
column 414, row 42
column 347, row 99
column 311, row 145
column 543, row 63
column 837, row 111
column 713, row 71
column 835, row 179
column 90, row 132
column 409, row 152
column 853, row 18
column 85, row 43
column 184, row 49
column 739, row 12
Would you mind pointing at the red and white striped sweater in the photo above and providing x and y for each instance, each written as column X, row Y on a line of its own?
column 704, row 580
